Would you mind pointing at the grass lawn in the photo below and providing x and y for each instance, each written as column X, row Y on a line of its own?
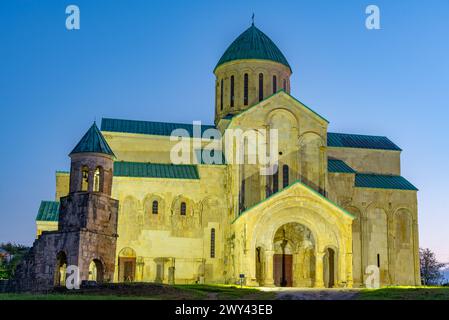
column 140, row 291
column 226, row 292
column 405, row 293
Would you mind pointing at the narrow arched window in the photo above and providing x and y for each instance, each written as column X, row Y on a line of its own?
column 212, row 243
column 232, row 92
column 285, row 176
column 275, row 84
column 183, row 208
column 84, row 178
column 276, row 181
column 245, row 89
column 155, row 207
column 260, row 86
column 98, row 180
column 221, row 95
column 285, row 85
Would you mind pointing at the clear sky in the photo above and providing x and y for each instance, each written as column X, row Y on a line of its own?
column 153, row 60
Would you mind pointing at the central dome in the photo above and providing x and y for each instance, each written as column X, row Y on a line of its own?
column 253, row 44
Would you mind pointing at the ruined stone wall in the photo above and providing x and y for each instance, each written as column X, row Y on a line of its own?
column 38, row 269
column 95, row 212
column 87, row 231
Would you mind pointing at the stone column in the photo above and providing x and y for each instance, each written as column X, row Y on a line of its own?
column 295, row 269
column 348, row 266
column 319, row 271
column 269, row 281
column 90, row 181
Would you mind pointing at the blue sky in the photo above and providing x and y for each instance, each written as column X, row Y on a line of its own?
column 153, row 60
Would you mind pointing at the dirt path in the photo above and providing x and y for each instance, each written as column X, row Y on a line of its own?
column 314, row 294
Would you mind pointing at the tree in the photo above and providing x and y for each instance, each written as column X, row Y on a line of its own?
column 430, row 267
column 16, row 253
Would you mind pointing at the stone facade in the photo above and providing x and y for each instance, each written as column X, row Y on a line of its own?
column 303, row 225
column 86, row 234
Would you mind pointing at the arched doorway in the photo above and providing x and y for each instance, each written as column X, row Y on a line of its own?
column 260, row 266
column 60, row 269
column 96, row 271
column 329, row 263
column 294, row 256
column 126, row 265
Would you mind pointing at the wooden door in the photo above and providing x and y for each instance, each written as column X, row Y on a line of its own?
column 127, row 269
column 277, row 270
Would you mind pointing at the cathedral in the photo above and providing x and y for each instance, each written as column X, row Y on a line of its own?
column 334, row 211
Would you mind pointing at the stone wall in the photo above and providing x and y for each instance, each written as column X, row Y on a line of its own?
column 385, row 231
column 169, row 239
column 87, row 231
column 369, row 160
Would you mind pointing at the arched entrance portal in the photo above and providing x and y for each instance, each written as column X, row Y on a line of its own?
column 126, row 265
column 60, row 269
column 294, row 256
column 96, row 271
column 329, row 264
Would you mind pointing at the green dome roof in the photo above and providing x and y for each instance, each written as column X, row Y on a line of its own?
column 253, row 44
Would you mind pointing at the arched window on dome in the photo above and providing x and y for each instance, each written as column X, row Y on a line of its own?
column 221, row 95
column 260, row 86
column 232, row 92
column 245, row 89
column 285, row 85
column 285, row 178
column 275, row 84
column 276, row 181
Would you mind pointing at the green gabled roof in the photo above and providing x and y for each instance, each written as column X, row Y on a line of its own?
column 253, row 44
column 342, row 140
column 297, row 182
column 338, row 166
column 93, row 141
column 383, row 182
column 280, row 91
column 148, row 127
column 48, row 211
column 155, row 170
column 360, row 141
column 199, row 156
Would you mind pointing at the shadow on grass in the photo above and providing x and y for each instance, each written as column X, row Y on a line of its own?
column 147, row 291
column 405, row 293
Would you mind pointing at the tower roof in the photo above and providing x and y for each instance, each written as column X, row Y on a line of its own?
column 253, row 44
column 93, row 141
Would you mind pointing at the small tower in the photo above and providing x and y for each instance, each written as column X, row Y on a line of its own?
column 87, row 228
column 92, row 164
column 89, row 210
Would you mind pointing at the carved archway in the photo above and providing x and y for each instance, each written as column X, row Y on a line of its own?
column 60, row 269
column 126, row 265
